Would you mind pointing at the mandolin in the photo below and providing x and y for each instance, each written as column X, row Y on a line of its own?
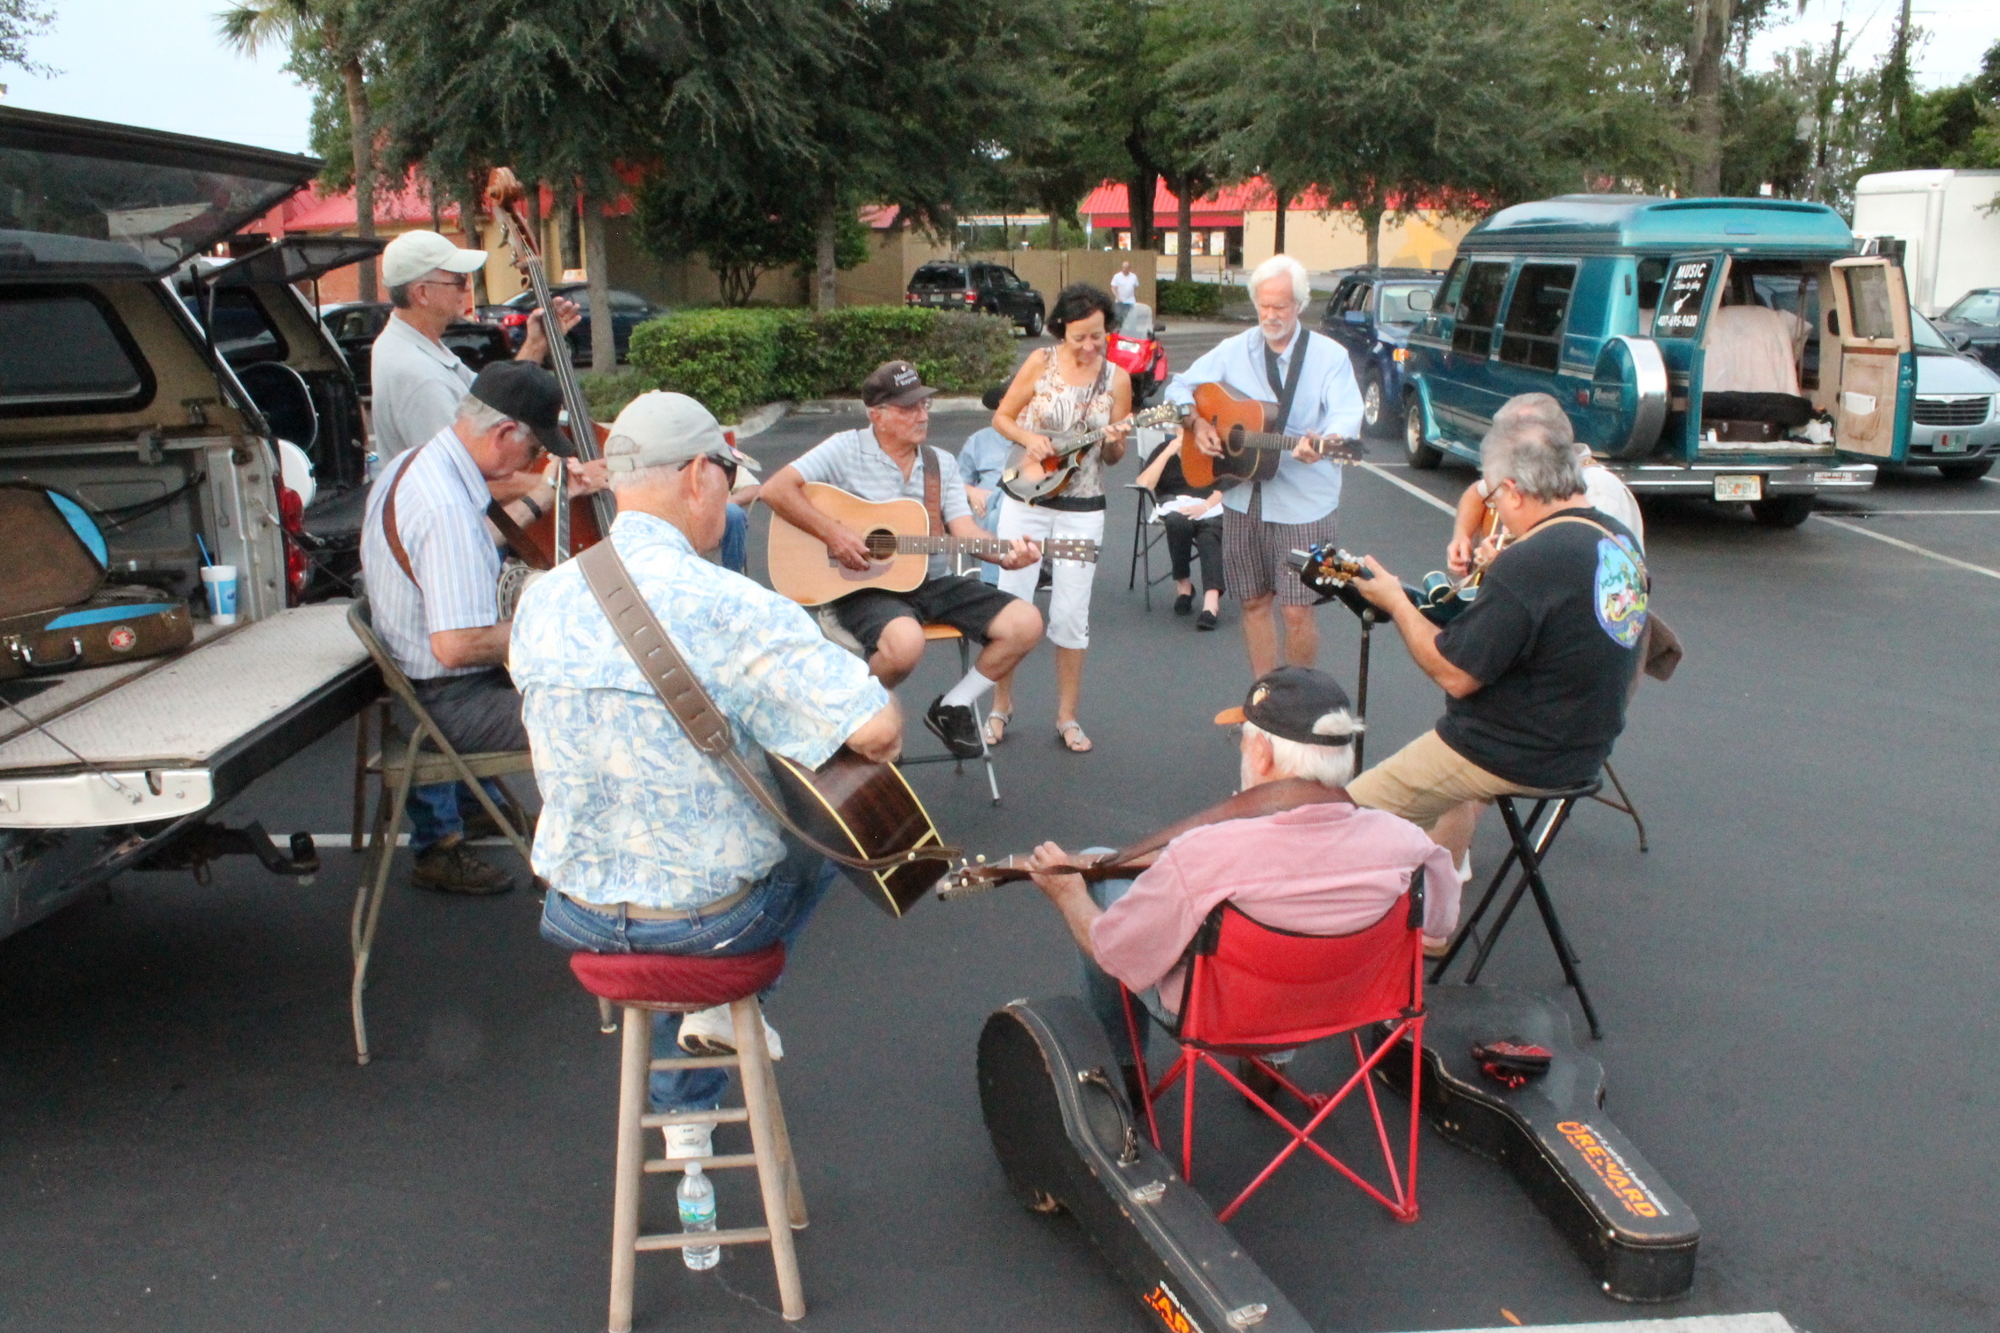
column 1251, row 450
column 1331, row 572
column 570, row 525
column 1031, row 479
column 900, row 547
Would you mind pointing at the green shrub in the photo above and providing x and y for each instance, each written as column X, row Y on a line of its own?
column 608, row 394
column 735, row 359
column 1197, row 299
column 726, row 359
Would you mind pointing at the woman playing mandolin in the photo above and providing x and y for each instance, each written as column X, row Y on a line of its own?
column 1069, row 387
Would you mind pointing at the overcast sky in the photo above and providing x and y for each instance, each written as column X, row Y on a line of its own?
column 158, row 63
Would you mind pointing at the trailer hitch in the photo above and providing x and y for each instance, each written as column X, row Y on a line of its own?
column 202, row 843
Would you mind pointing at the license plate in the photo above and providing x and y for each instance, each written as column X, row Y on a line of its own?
column 1739, row 488
column 1948, row 444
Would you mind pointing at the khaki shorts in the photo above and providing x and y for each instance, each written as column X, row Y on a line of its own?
column 1425, row 779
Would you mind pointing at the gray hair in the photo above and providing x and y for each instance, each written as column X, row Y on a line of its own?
column 638, row 478
column 1283, row 266
column 1332, row 765
column 481, row 417
column 1527, row 453
column 399, row 295
column 1540, row 408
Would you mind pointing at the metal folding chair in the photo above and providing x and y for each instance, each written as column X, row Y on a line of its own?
column 1145, row 536
column 427, row 758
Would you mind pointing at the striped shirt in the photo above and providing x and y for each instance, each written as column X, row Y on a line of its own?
column 853, row 461
column 416, row 386
column 441, row 516
column 1327, row 403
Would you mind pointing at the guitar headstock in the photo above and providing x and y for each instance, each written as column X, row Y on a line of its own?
column 1082, row 550
column 1326, row 569
column 976, row 876
column 1334, row 449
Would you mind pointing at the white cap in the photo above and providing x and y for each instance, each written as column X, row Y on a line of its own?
column 658, row 428
column 416, row 253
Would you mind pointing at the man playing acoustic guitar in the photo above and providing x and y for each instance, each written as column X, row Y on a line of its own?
column 650, row 846
column 1262, row 523
column 885, row 461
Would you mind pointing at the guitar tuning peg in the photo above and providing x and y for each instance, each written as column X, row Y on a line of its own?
column 980, row 859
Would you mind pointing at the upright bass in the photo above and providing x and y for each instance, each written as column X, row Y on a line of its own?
column 570, row 525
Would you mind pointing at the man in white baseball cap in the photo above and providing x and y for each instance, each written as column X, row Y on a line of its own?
column 418, row 381
column 649, row 846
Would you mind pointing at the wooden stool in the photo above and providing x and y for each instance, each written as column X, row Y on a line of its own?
column 645, row 983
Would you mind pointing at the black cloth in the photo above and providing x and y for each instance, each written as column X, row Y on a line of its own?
column 961, row 601
column 1187, row 536
column 1554, row 638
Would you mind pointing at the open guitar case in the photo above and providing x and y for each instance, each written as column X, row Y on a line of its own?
column 56, row 614
column 1067, row 1140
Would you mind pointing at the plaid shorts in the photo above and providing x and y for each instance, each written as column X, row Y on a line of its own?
column 1253, row 552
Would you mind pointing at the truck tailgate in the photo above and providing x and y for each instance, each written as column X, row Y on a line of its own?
column 168, row 738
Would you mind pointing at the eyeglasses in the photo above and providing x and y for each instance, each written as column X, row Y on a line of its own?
column 458, row 286
column 728, row 466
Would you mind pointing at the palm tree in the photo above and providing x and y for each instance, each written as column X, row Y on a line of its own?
column 331, row 24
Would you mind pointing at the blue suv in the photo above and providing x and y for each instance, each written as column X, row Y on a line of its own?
column 1369, row 314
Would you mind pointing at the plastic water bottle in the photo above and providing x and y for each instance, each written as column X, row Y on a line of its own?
column 697, row 1200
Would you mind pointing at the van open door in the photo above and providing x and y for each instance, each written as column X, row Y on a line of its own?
column 1690, row 290
column 1878, row 370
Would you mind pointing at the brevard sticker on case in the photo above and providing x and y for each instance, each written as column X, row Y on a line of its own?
column 1162, row 1301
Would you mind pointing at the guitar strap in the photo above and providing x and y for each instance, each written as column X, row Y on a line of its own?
column 515, row 537
column 668, row 673
column 510, row 531
column 1289, row 389
column 1269, row 798
column 934, row 491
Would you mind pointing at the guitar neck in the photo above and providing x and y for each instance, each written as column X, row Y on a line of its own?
column 952, row 546
column 1263, row 439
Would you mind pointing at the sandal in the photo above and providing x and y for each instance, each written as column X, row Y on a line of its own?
column 1070, row 736
column 996, row 725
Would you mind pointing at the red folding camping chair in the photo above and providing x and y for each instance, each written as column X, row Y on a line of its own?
column 1253, row 989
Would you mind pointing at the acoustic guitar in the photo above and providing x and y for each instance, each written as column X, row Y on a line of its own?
column 1030, row 479
column 1250, row 447
column 900, row 547
column 869, row 811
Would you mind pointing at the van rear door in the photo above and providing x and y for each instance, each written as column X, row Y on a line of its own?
column 1692, row 287
column 1878, row 370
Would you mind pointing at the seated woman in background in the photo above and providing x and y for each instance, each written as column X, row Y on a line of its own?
column 1193, row 520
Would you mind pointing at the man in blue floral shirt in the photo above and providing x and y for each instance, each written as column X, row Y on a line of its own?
column 649, row 846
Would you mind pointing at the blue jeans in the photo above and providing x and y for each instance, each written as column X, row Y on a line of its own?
column 438, row 811
column 775, row 910
column 1101, row 990
column 736, row 540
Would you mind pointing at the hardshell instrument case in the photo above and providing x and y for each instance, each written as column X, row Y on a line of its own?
column 55, row 612
column 1638, row 1236
column 1049, row 1089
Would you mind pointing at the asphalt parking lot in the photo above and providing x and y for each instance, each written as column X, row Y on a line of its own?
column 1794, row 983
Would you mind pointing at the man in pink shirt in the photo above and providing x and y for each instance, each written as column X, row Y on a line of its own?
column 1324, row 868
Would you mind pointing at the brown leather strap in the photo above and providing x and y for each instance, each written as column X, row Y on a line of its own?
column 1268, row 798
column 934, row 491
column 514, row 535
column 389, row 528
column 674, row 681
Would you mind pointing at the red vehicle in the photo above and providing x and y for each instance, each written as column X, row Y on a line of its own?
column 1144, row 357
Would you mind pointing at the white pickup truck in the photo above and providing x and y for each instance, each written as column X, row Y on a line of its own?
column 112, row 394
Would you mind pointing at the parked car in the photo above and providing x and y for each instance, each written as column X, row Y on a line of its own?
column 118, row 399
column 951, row 284
column 356, row 324
column 628, row 311
column 1369, row 314
column 1606, row 302
column 1972, row 324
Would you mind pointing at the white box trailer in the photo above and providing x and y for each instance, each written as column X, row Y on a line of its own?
column 1952, row 241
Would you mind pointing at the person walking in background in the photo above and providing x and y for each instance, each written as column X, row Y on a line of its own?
column 1071, row 386
column 1125, row 292
column 1311, row 379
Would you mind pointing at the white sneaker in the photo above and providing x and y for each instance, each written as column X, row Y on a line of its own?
column 1465, row 867
column 713, row 1032
column 689, row 1141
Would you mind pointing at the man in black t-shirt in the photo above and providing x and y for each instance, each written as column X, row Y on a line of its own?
column 1537, row 669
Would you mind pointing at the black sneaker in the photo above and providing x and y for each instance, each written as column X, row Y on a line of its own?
column 1183, row 603
column 450, row 867
column 954, row 725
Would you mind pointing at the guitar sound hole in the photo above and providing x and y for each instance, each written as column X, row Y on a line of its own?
column 1235, row 445
column 881, row 544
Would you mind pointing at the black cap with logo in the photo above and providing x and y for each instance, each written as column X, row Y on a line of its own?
column 1288, row 701
column 528, row 394
column 894, row 384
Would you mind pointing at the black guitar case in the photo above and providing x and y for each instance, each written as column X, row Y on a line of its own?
column 1635, row 1233
column 1048, row 1086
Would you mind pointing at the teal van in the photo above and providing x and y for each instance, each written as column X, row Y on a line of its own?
column 1610, row 303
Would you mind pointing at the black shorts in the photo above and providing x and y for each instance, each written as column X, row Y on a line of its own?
column 961, row 601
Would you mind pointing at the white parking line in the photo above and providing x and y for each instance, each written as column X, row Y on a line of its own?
column 1417, row 491
column 1897, row 542
column 1915, row 513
